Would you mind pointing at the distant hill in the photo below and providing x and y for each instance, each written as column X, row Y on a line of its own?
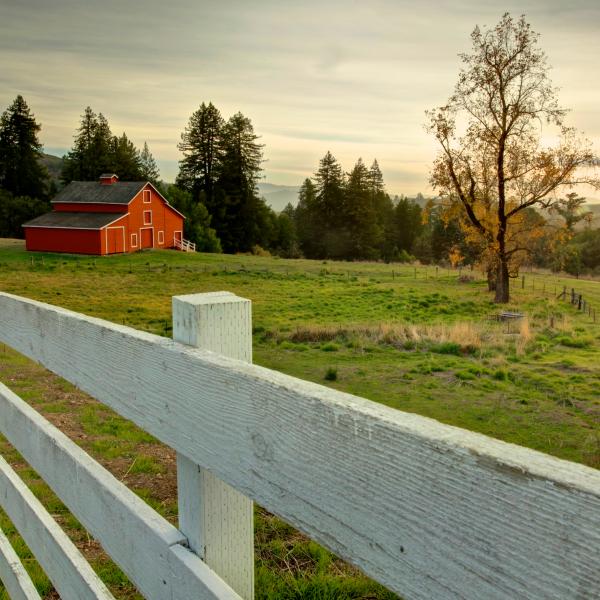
column 54, row 165
column 279, row 196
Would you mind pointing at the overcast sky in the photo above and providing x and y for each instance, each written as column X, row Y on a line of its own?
column 351, row 77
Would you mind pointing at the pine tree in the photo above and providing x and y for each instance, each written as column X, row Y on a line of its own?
column 329, row 186
column 196, row 226
column 408, row 224
column 103, row 150
column 92, row 153
column 149, row 169
column 201, row 144
column 375, row 179
column 125, row 159
column 360, row 215
column 308, row 225
column 96, row 151
column 240, row 216
column 21, row 172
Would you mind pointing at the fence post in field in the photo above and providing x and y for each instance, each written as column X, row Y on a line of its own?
column 216, row 519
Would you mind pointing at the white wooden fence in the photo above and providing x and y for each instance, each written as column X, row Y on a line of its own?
column 431, row 511
column 184, row 245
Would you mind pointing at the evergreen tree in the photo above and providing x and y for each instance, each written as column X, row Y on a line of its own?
column 106, row 150
column 21, row 173
column 408, row 224
column 96, row 151
column 286, row 240
column 201, row 144
column 360, row 216
column 91, row 152
column 240, row 217
column 16, row 210
column 148, row 167
column 196, row 227
column 375, row 179
column 125, row 159
column 329, row 187
column 307, row 218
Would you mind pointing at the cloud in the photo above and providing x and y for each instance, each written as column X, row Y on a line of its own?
column 352, row 77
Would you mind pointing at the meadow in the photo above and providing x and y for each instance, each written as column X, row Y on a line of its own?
column 419, row 339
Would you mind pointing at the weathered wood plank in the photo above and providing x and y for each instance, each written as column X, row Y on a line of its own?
column 216, row 518
column 431, row 511
column 68, row 570
column 133, row 534
column 13, row 575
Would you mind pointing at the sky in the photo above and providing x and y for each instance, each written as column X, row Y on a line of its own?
column 354, row 78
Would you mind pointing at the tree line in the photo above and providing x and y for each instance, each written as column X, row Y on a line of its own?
column 96, row 150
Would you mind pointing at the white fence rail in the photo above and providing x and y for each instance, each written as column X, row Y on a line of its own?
column 184, row 245
column 429, row 510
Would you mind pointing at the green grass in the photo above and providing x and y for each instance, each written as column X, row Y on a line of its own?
column 398, row 335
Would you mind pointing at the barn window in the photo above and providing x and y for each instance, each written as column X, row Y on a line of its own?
column 147, row 196
column 147, row 217
column 161, row 237
column 134, row 240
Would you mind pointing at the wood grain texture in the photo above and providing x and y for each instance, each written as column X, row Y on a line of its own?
column 13, row 575
column 133, row 534
column 68, row 570
column 216, row 518
column 429, row 510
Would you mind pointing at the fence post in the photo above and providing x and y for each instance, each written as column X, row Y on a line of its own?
column 216, row 519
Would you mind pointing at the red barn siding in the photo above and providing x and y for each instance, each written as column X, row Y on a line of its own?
column 75, row 241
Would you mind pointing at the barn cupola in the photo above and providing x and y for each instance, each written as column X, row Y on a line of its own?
column 108, row 178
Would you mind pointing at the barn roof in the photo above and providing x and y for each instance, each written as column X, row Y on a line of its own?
column 74, row 220
column 120, row 192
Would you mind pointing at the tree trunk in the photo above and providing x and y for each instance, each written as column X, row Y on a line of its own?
column 492, row 278
column 502, row 282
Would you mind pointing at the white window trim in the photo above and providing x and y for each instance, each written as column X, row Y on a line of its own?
column 134, row 241
column 161, row 237
column 147, row 194
column 147, row 212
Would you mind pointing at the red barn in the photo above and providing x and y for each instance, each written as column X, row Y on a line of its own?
column 106, row 217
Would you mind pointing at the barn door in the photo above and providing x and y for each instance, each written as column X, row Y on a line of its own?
column 115, row 244
column 147, row 238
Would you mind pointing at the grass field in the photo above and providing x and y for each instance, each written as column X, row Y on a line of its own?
column 414, row 338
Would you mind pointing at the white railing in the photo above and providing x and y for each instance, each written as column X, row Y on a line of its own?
column 184, row 245
column 429, row 510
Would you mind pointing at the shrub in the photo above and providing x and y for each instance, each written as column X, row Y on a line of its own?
column 330, row 347
column 331, row 374
column 446, row 348
column 570, row 342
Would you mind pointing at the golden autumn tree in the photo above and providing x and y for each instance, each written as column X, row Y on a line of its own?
column 493, row 166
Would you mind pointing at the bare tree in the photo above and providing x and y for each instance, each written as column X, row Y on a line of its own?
column 497, row 166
